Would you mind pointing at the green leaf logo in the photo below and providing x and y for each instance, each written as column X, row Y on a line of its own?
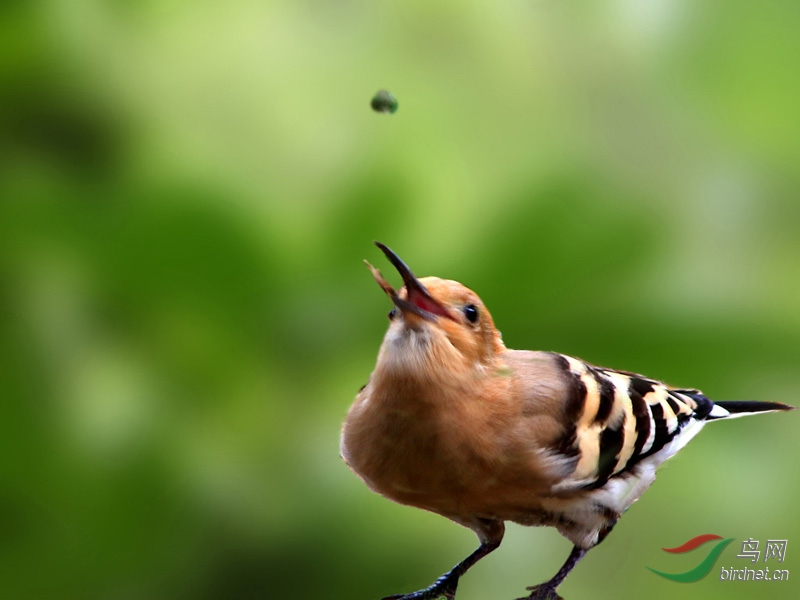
column 704, row 568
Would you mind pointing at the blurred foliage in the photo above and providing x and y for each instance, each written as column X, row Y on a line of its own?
column 187, row 190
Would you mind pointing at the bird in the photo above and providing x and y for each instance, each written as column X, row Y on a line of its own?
column 453, row 422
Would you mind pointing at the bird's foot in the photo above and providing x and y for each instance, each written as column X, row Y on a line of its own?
column 543, row 591
column 445, row 587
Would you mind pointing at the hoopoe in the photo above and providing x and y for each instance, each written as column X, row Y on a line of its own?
column 453, row 422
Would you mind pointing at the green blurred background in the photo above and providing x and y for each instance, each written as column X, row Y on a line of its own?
column 187, row 191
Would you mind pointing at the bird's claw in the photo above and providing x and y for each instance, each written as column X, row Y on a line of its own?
column 542, row 592
column 421, row 596
column 444, row 588
column 424, row 595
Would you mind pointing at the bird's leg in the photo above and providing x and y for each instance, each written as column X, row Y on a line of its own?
column 447, row 584
column 547, row 590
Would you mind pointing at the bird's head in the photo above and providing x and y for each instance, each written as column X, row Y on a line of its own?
column 435, row 323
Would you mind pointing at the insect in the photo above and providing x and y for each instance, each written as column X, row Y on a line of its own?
column 384, row 102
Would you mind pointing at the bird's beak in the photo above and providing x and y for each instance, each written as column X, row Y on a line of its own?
column 418, row 300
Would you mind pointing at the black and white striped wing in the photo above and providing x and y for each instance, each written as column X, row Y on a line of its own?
column 620, row 419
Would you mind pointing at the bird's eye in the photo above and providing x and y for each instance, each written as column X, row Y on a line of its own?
column 392, row 314
column 471, row 313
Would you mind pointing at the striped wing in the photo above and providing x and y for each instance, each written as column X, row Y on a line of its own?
column 619, row 418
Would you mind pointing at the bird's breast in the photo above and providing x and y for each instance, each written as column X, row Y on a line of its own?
column 398, row 448
column 451, row 456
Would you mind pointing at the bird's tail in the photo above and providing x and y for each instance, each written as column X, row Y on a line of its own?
column 733, row 409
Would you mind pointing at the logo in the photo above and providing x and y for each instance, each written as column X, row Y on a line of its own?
column 705, row 566
column 773, row 550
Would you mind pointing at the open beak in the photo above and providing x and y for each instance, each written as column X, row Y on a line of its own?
column 418, row 300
